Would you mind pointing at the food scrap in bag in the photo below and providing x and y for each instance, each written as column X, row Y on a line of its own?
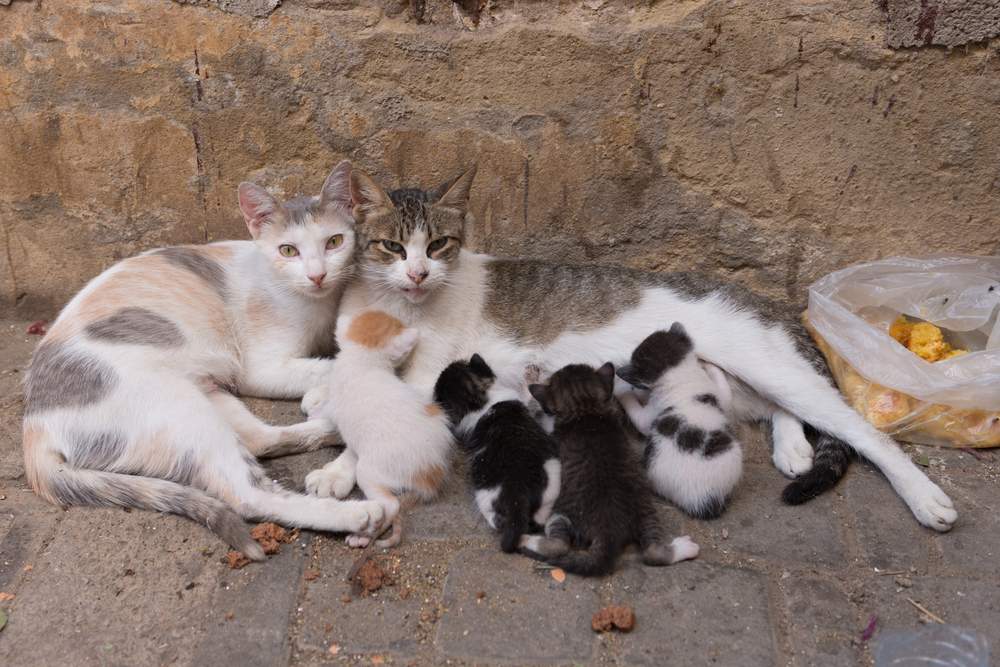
column 923, row 339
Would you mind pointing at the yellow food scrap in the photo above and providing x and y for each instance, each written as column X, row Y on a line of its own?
column 886, row 406
column 900, row 330
column 953, row 353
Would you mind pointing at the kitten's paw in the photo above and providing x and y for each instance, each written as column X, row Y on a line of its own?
column 932, row 506
column 684, row 548
column 358, row 541
column 330, row 480
column 313, row 400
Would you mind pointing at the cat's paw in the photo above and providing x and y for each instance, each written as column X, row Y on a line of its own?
column 313, row 400
column 684, row 548
column 792, row 461
column 330, row 481
column 358, row 541
column 932, row 506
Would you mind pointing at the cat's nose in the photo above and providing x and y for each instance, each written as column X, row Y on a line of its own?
column 417, row 276
column 318, row 280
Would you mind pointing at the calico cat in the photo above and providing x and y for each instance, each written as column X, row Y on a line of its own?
column 128, row 397
column 517, row 311
column 605, row 502
column 513, row 464
column 398, row 442
column 691, row 457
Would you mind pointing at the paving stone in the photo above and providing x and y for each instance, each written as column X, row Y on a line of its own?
column 251, row 610
column 975, row 539
column 397, row 619
column 26, row 523
column 822, row 620
column 115, row 588
column 502, row 607
column 889, row 537
column 760, row 525
column 695, row 613
column 451, row 515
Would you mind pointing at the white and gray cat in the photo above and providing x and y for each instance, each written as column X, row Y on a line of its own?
column 691, row 456
column 128, row 397
column 519, row 311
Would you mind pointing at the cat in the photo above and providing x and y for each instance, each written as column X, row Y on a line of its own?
column 398, row 442
column 514, row 311
column 691, row 457
column 513, row 463
column 128, row 398
column 605, row 503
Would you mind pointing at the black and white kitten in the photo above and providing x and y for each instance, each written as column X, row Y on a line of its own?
column 691, row 456
column 513, row 463
column 605, row 502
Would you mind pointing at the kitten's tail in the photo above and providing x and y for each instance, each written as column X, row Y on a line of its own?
column 75, row 486
column 596, row 561
column 512, row 527
column 830, row 460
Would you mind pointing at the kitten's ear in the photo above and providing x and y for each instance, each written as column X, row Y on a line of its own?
column 336, row 191
column 366, row 196
column 677, row 329
column 257, row 207
column 480, row 367
column 541, row 394
column 607, row 375
column 455, row 194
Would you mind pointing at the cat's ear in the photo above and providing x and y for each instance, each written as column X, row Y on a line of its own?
column 541, row 394
column 628, row 373
column 677, row 329
column 454, row 194
column 336, row 191
column 607, row 375
column 366, row 196
column 480, row 367
column 257, row 206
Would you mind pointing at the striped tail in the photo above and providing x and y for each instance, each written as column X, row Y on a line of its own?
column 830, row 460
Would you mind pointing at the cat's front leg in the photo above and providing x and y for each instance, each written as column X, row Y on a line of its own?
column 283, row 377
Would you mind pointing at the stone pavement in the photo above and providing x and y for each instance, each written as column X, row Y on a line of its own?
column 773, row 585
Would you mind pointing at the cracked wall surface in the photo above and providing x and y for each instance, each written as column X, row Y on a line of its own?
column 769, row 142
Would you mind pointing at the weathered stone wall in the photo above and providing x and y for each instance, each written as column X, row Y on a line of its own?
column 770, row 141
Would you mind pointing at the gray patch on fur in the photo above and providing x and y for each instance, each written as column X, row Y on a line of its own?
column 97, row 451
column 536, row 301
column 301, row 210
column 136, row 326
column 60, row 377
column 199, row 264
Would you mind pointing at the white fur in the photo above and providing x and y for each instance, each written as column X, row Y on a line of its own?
column 484, row 501
column 385, row 423
column 553, row 474
column 761, row 357
column 684, row 548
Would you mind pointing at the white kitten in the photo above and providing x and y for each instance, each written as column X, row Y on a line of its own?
column 398, row 441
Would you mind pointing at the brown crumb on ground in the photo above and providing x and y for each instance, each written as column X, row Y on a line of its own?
column 369, row 578
column 235, row 560
column 614, row 617
column 6, row 597
column 311, row 574
column 270, row 536
column 230, row 615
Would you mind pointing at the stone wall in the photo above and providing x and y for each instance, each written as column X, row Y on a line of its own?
column 769, row 141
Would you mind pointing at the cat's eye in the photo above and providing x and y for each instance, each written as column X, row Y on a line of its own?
column 334, row 241
column 287, row 250
column 392, row 246
column 436, row 245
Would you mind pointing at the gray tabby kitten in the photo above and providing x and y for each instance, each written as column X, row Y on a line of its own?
column 521, row 311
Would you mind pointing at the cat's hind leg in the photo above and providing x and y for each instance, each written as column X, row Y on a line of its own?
column 336, row 478
column 369, row 483
column 265, row 440
column 556, row 541
column 792, row 453
column 653, row 545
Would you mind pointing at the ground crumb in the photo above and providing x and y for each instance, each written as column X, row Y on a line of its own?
column 311, row 574
column 235, row 560
column 370, row 577
column 620, row 618
column 270, row 536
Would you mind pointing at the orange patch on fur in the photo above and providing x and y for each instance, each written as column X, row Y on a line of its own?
column 432, row 409
column 428, row 481
column 35, row 459
column 373, row 329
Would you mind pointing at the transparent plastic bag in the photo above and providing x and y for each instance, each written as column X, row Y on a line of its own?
column 952, row 402
column 943, row 645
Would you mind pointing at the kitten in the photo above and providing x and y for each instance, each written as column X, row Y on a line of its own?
column 127, row 400
column 691, row 456
column 518, row 311
column 513, row 463
column 399, row 443
column 605, row 502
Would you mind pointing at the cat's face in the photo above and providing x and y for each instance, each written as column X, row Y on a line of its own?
column 310, row 241
column 409, row 240
column 577, row 389
column 464, row 387
column 658, row 353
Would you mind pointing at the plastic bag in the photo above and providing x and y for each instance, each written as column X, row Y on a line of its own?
column 944, row 645
column 955, row 401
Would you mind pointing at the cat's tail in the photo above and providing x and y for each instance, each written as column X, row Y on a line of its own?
column 65, row 485
column 595, row 561
column 512, row 527
column 831, row 456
